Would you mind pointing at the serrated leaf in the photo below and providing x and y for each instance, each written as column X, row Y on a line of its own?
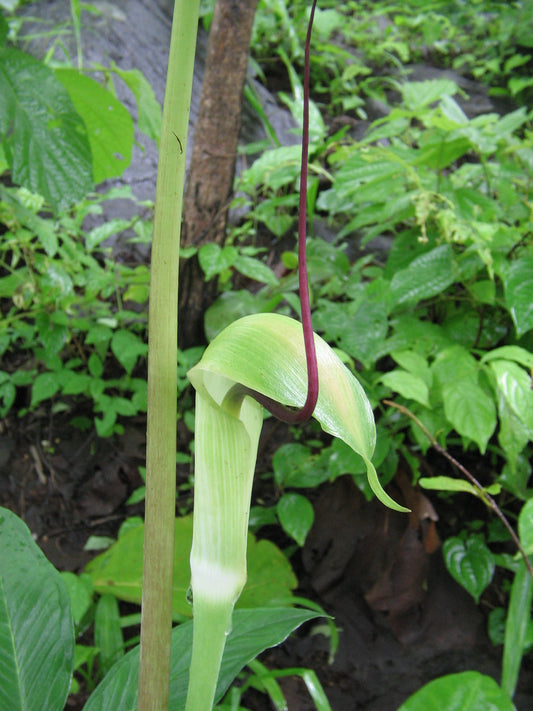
column 49, row 146
column 426, row 276
column 470, row 563
column 471, row 412
column 296, row 515
column 466, row 691
column 518, row 285
column 108, row 123
column 418, row 94
column 36, row 629
column 252, row 632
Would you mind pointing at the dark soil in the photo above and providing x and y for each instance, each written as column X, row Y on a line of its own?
column 402, row 619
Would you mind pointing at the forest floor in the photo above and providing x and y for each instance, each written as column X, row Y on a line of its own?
column 402, row 619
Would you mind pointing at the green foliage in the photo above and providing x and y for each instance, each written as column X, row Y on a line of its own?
column 37, row 634
column 253, row 632
column 36, row 630
column 78, row 312
column 467, row 691
column 426, row 292
column 118, row 571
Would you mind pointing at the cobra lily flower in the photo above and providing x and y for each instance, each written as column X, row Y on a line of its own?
column 260, row 355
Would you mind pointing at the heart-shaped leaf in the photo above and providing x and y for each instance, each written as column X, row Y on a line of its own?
column 296, row 516
column 470, row 562
column 467, row 691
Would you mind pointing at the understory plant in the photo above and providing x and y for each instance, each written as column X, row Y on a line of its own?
column 433, row 312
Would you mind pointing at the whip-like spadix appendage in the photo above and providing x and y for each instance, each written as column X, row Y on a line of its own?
column 261, row 354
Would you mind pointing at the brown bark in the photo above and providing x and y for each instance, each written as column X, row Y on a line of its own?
column 212, row 170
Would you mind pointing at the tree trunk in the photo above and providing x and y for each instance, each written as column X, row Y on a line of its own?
column 212, row 169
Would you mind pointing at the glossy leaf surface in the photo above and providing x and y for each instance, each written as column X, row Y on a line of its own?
column 49, row 146
column 36, row 629
column 467, row 691
column 470, row 562
column 253, row 631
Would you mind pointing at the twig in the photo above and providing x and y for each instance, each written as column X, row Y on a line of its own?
column 485, row 496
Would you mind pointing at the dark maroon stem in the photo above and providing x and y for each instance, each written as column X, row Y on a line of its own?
column 286, row 414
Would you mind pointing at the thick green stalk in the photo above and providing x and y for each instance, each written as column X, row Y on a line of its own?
column 156, row 621
column 225, row 450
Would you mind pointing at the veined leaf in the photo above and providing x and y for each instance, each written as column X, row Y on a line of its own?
column 518, row 283
column 253, row 631
column 467, row 691
column 109, row 124
column 36, row 628
column 426, row 276
column 48, row 146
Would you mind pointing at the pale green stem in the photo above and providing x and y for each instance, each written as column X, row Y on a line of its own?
column 156, row 622
column 225, row 449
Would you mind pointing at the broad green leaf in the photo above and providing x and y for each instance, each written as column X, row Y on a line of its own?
column 466, row 691
column 454, row 363
column 514, row 383
column 518, row 284
column 516, row 353
column 525, row 527
column 470, row 410
column 255, row 269
column 127, row 347
column 214, row 259
column 36, row 629
column 275, row 168
column 228, row 307
column 119, row 570
column 45, row 386
column 295, row 465
column 426, row 276
column 48, row 143
column 253, row 631
column 108, row 123
column 80, row 594
column 438, row 151
column 408, row 385
column 470, row 562
column 296, row 515
column 414, row 363
column 240, row 352
column 108, row 632
column 418, row 94
column 104, row 231
column 148, row 107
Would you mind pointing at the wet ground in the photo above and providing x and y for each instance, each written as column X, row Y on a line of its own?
column 403, row 621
